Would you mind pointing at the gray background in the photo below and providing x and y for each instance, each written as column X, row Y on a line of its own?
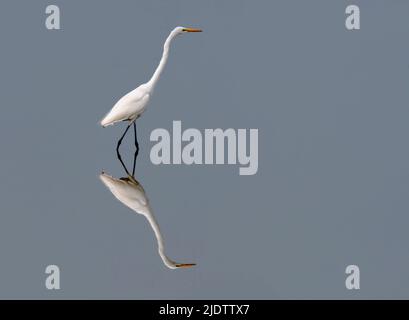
column 331, row 107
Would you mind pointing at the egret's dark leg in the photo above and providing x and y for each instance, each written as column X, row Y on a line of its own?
column 136, row 150
column 117, row 148
column 122, row 163
column 120, row 140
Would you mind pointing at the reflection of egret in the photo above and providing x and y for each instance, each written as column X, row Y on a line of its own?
column 132, row 105
column 131, row 193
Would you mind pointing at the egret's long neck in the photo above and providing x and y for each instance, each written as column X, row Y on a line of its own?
column 152, row 82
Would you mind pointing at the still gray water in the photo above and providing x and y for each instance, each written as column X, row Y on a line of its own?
column 331, row 189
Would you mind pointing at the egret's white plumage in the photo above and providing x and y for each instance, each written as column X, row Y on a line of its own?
column 131, row 193
column 133, row 104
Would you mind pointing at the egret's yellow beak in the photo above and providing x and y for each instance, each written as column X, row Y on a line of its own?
column 185, row 265
column 192, row 30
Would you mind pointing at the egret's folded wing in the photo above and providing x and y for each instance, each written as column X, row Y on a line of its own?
column 127, row 108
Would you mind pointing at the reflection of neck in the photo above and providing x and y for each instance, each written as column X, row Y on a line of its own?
column 161, row 247
column 152, row 82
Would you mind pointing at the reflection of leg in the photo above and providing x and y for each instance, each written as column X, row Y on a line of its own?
column 117, row 148
column 136, row 150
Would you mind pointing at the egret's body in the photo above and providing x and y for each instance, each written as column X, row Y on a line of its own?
column 129, row 107
column 131, row 193
column 133, row 104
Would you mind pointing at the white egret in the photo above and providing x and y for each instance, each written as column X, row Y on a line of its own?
column 131, row 193
column 133, row 104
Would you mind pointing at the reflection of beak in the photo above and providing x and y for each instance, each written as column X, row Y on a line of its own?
column 185, row 265
column 192, row 30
